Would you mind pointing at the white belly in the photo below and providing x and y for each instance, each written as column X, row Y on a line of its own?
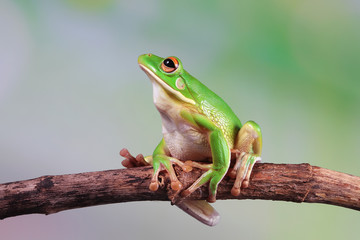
column 184, row 141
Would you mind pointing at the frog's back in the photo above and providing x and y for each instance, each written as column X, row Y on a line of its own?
column 215, row 108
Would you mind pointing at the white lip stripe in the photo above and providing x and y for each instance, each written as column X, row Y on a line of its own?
column 165, row 86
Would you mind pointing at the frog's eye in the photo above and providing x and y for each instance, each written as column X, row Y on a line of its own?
column 170, row 64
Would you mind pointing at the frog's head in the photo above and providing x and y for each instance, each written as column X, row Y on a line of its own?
column 166, row 73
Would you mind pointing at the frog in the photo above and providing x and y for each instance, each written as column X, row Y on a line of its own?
column 199, row 130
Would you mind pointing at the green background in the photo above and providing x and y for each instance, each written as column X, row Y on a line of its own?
column 72, row 95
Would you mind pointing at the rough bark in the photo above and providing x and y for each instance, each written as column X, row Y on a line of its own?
column 283, row 182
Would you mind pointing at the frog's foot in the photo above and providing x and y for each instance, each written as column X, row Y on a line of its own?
column 242, row 171
column 213, row 176
column 130, row 161
column 166, row 163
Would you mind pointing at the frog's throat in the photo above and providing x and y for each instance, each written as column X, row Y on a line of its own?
column 166, row 87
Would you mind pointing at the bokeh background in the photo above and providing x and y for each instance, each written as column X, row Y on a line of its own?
column 72, row 95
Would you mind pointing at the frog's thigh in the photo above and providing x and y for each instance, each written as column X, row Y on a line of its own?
column 248, row 147
column 249, row 138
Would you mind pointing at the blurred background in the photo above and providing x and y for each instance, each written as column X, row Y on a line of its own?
column 72, row 95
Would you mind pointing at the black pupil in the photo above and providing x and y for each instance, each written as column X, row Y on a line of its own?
column 169, row 63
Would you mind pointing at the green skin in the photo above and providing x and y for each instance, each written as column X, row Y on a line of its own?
column 197, row 126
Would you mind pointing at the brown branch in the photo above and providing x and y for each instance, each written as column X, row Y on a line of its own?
column 284, row 182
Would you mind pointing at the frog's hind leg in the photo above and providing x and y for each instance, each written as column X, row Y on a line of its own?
column 248, row 150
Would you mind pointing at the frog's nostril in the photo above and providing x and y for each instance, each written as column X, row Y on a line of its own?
column 149, row 54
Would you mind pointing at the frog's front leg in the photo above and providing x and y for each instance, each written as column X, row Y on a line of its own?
column 220, row 152
column 248, row 147
column 161, row 159
column 130, row 161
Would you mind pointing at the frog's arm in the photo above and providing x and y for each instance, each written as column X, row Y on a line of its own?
column 161, row 157
column 220, row 152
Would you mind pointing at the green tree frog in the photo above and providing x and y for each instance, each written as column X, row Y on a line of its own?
column 197, row 126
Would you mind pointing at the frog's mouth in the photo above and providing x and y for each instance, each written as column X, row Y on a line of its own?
column 156, row 80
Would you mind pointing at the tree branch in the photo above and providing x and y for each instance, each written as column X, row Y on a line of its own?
column 284, row 182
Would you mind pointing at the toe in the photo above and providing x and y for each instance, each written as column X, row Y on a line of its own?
column 235, row 191
column 211, row 198
column 245, row 184
column 176, row 185
column 187, row 168
column 154, row 186
column 127, row 163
